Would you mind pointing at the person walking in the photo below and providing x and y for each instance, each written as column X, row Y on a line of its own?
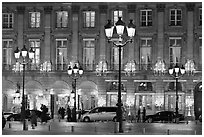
column 144, row 114
column 62, row 112
column 138, row 115
column 69, row 114
column 33, row 119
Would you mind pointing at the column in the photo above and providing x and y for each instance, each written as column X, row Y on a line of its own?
column 160, row 29
column 47, row 40
column 20, row 21
column 190, row 27
column 131, row 46
column 75, row 32
column 103, row 22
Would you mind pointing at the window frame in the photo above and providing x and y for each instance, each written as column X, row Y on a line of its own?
column 35, row 22
column 175, row 39
column 147, row 21
column 8, row 21
column 7, row 59
column 89, row 23
column 115, row 17
column 63, row 65
column 61, row 19
column 174, row 21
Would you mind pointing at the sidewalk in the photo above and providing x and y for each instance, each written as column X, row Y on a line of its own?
column 103, row 128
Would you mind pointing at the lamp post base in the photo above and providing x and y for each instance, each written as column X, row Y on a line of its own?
column 25, row 124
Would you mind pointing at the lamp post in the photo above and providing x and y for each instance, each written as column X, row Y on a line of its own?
column 120, row 27
column 24, row 53
column 74, row 73
column 176, row 72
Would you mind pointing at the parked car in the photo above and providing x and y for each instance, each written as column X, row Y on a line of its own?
column 17, row 117
column 6, row 114
column 101, row 114
column 3, row 122
column 164, row 116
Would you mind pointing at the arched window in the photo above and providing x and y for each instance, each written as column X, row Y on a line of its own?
column 145, row 86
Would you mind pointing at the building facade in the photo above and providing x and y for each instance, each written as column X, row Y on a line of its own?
column 62, row 34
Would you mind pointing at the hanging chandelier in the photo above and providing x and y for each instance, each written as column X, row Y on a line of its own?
column 159, row 68
column 101, row 68
column 130, row 68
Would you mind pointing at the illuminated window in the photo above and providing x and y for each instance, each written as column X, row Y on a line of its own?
column 89, row 53
column 89, row 19
column 116, row 14
column 145, row 86
column 175, row 17
column 7, row 53
column 115, row 58
column 145, row 53
column 34, row 19
column 146, row 17
column 62, row 19
column 61, row 54
column 175, row 50
column 35, row 44
column 7, row 20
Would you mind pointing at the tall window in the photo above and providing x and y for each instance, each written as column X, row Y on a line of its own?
column 89, row 53
column 175, row 49
column 175, row 17
column 62, row 19
column 7, row 20
column 145, row 53
column 7, row 53
column 200, row 50
column 35, row 44
column 89, row 19
column 115, row 58
column 34, row 19
column 61, row 54
column 146, row 17
column 200, row 16
column 116, row 14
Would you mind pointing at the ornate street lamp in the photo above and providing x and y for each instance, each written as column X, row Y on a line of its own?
column 24, row 53
column 177, row 72
column 120, row 27
column 74, row 72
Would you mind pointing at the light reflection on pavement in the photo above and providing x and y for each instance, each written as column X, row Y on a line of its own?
column 104, row 128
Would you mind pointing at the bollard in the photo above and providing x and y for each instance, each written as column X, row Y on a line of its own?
column 49, row 127
column 187, row 122
column 95, row 129
column 72, row 128
column 9, row 125
column 195, row 132
column 115, row 127
column 168, row 132
column 143, row 130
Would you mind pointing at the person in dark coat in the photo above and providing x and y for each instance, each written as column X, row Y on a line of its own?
column 69, row 114
column 144, row 114
column 62, row 112
column 44, row 113
column 138, row 115
column 33, row 119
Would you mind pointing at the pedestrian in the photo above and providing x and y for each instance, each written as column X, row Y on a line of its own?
column 79, row 116
column 44, row 113
column 69, row 114
column 62, row 112
column 33, row 119
column 138, row 115
column 144, row 114
column 59, row 113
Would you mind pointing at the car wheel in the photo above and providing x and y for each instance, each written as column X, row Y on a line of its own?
column 12, row 119
column 114, row 119
column 86, row 119
column 149, row 120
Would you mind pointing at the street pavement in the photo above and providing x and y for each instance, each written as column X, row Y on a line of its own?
column 56, row 127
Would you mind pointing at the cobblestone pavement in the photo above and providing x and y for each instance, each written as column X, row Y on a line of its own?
column 55, row 127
